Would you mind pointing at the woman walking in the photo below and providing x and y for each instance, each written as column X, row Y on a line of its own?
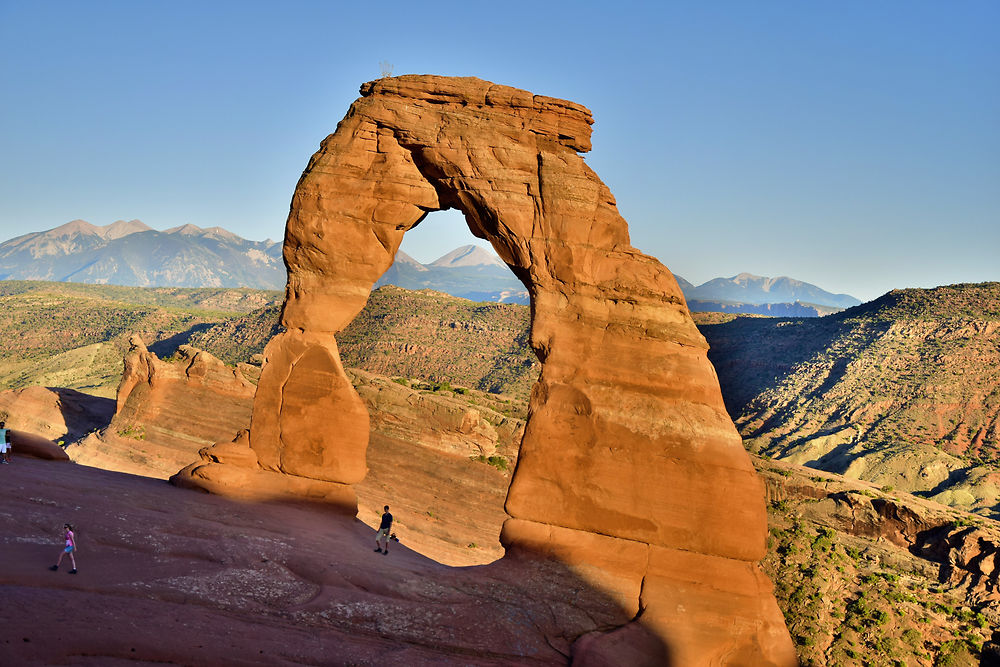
column 69, row 549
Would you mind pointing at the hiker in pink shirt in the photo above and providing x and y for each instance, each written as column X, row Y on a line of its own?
column 69, row 549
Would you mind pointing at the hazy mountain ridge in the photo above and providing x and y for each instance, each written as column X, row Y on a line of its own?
column 469, row 272
column 131, row 253
column 748, row 288
column 779, row 297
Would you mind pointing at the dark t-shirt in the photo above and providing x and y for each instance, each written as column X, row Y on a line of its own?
column 386, row 521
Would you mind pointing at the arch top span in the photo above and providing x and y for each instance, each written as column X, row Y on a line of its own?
column 630, row 467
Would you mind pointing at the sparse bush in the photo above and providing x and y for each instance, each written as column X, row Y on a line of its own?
column 133, row 431
column 498, row 462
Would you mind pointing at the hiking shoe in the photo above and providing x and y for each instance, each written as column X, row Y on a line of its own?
column 378, row 551
column 53, row 567
column 73, row 571
column 385, row 553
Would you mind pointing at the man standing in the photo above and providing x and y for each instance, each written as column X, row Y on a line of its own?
column 383, row 532
column 4, row 443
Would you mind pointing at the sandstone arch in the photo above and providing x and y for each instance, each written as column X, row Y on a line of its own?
column 630, row 468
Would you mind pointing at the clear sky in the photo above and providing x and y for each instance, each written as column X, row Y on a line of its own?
column 854, row 145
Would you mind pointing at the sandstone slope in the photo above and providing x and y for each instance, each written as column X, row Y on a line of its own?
column 177, row 576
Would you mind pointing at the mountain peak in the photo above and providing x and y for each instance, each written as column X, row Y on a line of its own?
column 74, row 227
column 185, row 230
column 748, row 288
column 120, row 228
column 403, row 259
column 468, row 255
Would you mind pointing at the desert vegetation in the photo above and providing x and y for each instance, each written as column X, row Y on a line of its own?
column 905, row 383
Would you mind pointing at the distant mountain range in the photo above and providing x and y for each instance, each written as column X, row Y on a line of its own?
column 782, row 294
column 476, row 274
column 469, row 272
column 131, row 253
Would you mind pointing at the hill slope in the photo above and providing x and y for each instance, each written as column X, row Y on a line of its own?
column 401, row 333
column 74, row 335
column 903, row 391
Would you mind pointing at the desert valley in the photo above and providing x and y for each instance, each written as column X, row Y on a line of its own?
column 603, row 477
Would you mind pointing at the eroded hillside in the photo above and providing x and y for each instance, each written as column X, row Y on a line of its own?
column 74, row 335
column 428, row 335
column 903, row 391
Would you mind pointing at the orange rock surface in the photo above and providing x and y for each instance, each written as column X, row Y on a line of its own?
column 166, row 411
column 630, row 470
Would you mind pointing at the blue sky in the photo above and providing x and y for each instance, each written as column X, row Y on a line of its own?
column 854, row 145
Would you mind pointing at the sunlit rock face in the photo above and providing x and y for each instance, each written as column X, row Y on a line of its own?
column 630, row 470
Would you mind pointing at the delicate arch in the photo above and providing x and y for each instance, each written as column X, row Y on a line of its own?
column 630, row 467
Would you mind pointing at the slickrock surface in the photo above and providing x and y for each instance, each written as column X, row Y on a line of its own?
column 454, row 516
column 630, row 471
column 169, row 575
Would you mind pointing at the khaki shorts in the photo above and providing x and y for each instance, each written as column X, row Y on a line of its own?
column 382, row 534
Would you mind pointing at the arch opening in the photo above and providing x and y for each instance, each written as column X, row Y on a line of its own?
column 452, row 373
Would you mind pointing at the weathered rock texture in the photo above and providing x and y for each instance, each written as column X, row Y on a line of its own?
column 55, row 413
column 167, row 410
column 630, row 470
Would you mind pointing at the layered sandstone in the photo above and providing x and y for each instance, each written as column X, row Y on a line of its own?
column 630, row 471
column 166, row 410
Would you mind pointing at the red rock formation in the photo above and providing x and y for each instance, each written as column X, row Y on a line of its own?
column 167, row 411
column 630, row 470
column 23, row 443
column 55, row 413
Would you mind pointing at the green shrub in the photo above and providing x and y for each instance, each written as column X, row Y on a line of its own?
column 498, row 462
column 133, row 431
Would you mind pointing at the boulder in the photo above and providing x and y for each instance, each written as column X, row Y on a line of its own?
column 37, row 447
